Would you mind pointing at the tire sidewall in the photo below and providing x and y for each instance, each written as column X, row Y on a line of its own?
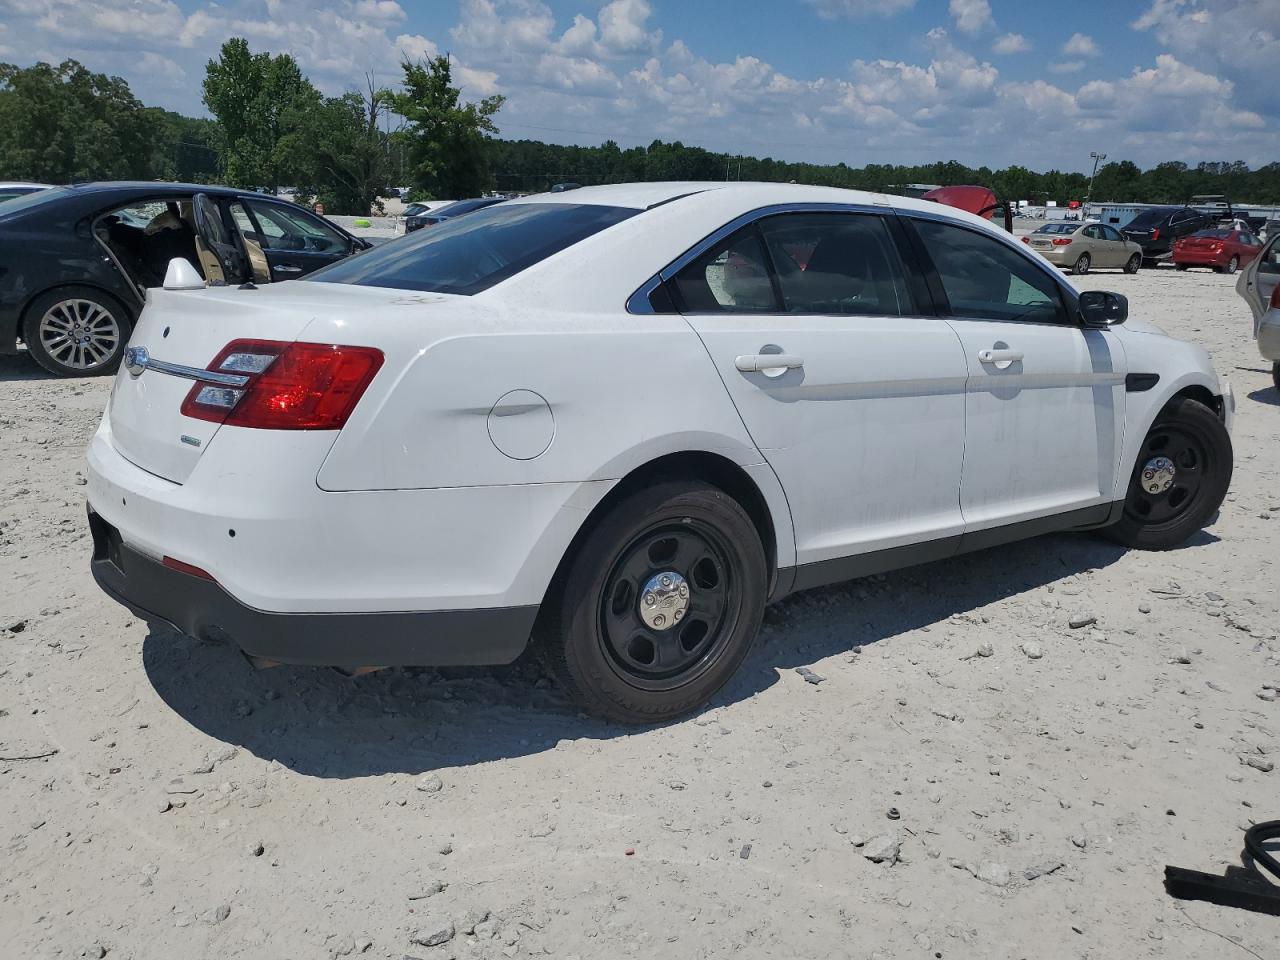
column 1233, row 265
column 1190, row 415
column 592, row 675
column 40, row 305
column 1133, row 264
column 1082, row 264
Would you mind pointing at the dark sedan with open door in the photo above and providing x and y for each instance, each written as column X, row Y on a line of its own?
column 76, row 262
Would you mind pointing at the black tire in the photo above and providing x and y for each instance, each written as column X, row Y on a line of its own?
column 1150, row 262
column 591, row 632
column 1133, row 263
column 76, row 331
column 1081, row 266
column 1180, row 266
column 1199, row 452
column 1233, row 265
column 1275, row 374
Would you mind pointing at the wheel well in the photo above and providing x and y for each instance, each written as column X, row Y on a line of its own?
column 1201, row 395
column 690, row 465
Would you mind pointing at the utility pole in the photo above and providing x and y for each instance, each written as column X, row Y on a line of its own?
column 1097, row 158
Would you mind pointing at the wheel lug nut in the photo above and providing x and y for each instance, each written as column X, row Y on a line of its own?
column 666, row 581
column 678, row 614
column 683, row 591
column 659, row 621
column 650, row 599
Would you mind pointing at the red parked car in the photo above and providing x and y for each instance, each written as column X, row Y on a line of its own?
column 1223, row 249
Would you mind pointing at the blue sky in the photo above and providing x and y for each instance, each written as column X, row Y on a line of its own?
column 864, row 81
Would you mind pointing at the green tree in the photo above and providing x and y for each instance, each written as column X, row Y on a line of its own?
column 62, row 124
column 448, row 139
column 252, row 96
column 340, row 155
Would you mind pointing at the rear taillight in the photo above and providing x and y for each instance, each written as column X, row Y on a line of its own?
column 1275, row 298
column 189, row 569
column 1061, row 241
column 289, row 386
column 1026, row 239
column 1155, row 234
column 1215, row 247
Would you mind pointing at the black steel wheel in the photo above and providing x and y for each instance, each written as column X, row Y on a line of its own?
column 1179, row 479
column 658, row 605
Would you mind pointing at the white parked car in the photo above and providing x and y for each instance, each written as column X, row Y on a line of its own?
column 1259, row 284
column 616, row 423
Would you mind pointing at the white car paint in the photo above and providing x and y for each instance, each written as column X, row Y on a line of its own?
column 896, row 434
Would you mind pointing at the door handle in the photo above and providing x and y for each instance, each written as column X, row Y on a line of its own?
column 286, row 268
column 770, row 364
column 999, row 356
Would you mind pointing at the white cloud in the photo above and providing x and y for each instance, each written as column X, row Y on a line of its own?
column 971, row 16
column 1235, row 39
column 1011, row 43
column 850, row 9
column 604, row 70
column 1080, row 45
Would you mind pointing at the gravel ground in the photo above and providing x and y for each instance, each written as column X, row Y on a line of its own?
column 159, row 798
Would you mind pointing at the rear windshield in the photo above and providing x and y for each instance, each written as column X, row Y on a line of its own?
column 469, row 254
column 29, row 200
column 1216, row 234
column 1059, row 228
column 1149, row 218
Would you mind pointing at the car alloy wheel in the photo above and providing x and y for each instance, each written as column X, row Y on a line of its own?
column 666, row 612
column 79, row 334
column 1233, row 265
column 1133, row 263
column 1082, row 264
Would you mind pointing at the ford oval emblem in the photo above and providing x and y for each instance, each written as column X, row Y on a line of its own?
column 136, row 360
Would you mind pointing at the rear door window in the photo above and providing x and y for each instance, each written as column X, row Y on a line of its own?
column 985, row 279
column 733, row 276
column 836, row 263
column 466, row 255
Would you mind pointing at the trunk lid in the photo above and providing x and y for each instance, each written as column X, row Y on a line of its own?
column 188, row 328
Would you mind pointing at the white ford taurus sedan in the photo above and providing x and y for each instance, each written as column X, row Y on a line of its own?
column 615, row 423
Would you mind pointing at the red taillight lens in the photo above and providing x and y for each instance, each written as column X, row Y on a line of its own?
column 1155, row 234
column 1061, row 241
column 1026, row 239
column 291, row 386
column 1216, row 247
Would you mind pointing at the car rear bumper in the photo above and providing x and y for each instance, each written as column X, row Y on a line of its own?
column 1193, row 258
column 201, row 608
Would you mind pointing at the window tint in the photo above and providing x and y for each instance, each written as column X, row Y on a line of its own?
column 731, row 277
column 284, row 228
column 1059, row 228
column 835, row 263
column 469, row 254
column 984, row 278
column 1151, row 218
column 1092, row 232
column 1269, row 261
column 1110, row 233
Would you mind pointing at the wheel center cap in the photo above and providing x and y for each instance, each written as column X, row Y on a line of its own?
column 664, row 600
column 1157, row 475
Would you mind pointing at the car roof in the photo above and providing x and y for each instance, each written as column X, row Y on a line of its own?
column 159, row 186
column 8, row 184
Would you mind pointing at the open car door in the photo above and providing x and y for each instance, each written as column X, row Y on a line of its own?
column 1260, row 279
column 221, row 254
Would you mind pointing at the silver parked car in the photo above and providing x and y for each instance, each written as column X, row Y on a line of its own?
column 1259, row 284
column 1083, row 246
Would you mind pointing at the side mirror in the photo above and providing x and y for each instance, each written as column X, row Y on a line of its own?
column 1099, row 308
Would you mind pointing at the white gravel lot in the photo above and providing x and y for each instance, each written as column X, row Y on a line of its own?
column 409, row 805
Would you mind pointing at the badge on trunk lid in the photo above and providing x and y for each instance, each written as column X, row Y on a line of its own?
column 136, row 360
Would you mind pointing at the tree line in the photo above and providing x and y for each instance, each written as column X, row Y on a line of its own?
column 270, row 127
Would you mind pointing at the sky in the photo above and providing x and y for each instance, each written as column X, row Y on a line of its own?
column 993, row 82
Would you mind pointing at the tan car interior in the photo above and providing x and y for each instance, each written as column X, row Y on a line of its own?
column 144, row 252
